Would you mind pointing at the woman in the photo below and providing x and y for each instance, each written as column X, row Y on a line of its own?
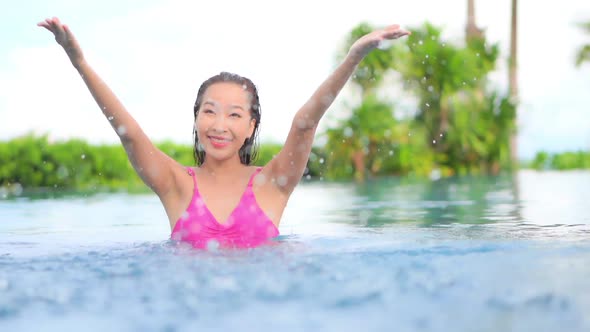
column 224, row 201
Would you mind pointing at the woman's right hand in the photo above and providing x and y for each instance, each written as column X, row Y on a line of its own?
column 65, row 38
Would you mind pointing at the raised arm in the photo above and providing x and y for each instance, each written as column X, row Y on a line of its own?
column 288, row 166
column 153, row 166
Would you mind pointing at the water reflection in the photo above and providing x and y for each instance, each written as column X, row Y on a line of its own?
column 465, row 200
column 523, row 204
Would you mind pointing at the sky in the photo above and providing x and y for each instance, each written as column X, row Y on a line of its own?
column 154, row 54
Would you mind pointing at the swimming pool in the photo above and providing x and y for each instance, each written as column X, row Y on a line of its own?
column 470, row 254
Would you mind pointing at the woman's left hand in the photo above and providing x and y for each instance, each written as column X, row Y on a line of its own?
column 372, row 40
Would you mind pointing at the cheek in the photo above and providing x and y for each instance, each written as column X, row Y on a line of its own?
column 201, row 124
column 245, row 130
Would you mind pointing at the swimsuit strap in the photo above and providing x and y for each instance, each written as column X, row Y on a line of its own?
column 253, row 175
column 190, row 171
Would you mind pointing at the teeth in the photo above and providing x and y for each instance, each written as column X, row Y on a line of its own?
column 218, row 140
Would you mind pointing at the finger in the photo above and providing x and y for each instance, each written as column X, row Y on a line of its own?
column 69, row 34
column 396, row 34
column 46, row 27
column 57, row 27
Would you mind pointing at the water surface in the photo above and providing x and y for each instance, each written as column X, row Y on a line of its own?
column 469, row 254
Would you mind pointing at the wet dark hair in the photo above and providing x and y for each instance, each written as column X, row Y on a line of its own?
column 249, row 151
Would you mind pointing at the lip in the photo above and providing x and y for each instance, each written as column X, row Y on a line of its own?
column 218, row 142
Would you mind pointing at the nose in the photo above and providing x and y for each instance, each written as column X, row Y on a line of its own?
column 219, row 123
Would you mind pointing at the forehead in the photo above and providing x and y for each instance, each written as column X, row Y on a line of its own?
column 227, row 93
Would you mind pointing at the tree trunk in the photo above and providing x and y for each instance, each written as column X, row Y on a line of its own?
column 471, row 29
column 358, row 159
column 512, row 74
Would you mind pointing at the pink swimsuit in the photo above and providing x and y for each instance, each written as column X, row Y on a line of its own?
column 247, row 226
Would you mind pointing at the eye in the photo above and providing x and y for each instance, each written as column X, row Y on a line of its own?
column 235, row 115
column 207, row 111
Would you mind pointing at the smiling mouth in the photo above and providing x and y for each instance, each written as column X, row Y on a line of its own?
column 218, row 142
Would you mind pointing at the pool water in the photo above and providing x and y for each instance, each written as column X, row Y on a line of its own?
column 507, row 253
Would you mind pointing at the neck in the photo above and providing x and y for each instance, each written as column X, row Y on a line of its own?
column 222, row 168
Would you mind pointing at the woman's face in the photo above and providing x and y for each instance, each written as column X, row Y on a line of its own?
column 224, row 121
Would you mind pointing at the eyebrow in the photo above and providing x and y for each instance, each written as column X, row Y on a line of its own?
column 214, row 104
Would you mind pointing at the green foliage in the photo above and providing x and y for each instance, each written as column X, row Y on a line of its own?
column 480, row 129
column 370, row 72
column 460, row 124
column 266, row 152
column 34, row 162
column 561, row 161
column 435, row 70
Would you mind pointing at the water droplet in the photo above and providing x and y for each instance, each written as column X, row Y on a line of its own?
column 282, row 180
column 200, row 211
column 199, row 202
column 427, row 105
column 301, row 123
column 184, row 215
column 391, row 152
column 321, row 160
column 83, row 156
column 260, row 179
column 121, row 130
column 435, row 174
column 420, row 42
column 433, row 141
column 212, row 245
column 327, row 99
column 347, row 132
column 426, row 56
column 110, row 118
column 384, row 44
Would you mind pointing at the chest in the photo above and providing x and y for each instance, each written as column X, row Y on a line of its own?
column 225, row 202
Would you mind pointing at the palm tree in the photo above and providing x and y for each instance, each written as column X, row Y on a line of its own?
column 471, row 30
column 512, row 73
column 356, row 139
